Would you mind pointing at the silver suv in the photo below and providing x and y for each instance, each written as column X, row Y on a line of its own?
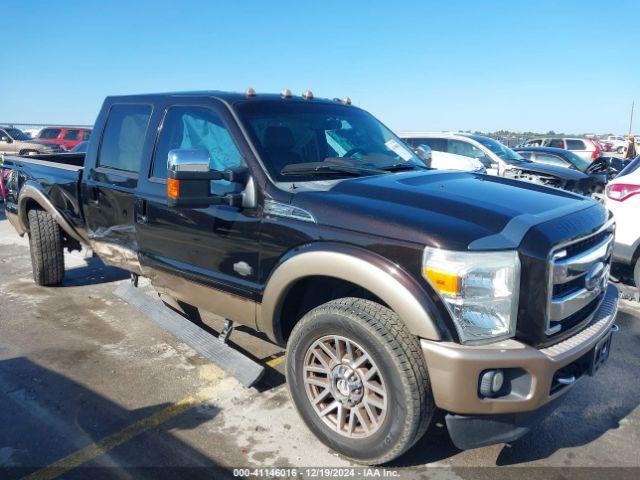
column 15, row 142
column 583, row 147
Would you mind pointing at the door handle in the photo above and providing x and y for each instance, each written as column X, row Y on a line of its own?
column 141, row 210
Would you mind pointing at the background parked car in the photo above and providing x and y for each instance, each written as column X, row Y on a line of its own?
column 448, row 161
column 66, row 137
column 587, row 148
column 601, row 170
column 501, row 160
column 623, row 199
column 618, row 142
column 15, row 142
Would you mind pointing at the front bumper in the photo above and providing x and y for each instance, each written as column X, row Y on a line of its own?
column 454, row 372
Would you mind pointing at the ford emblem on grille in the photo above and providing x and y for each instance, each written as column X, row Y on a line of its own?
column 593, row 278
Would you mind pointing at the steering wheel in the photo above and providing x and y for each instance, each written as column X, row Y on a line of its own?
column 353, row 151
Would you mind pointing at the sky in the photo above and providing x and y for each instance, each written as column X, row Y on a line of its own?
column 568, row 66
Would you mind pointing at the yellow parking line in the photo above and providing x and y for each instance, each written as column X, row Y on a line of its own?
column 276, row 360
column 114, row 440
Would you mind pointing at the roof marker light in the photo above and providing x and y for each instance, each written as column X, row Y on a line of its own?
column 286, row 93
column 308, row 95
column 250, row 92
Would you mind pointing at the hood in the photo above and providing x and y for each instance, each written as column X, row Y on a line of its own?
column 449, row 210
column 37, row 143
column 558, row 171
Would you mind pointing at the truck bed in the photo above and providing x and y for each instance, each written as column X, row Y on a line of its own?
column 57, row 177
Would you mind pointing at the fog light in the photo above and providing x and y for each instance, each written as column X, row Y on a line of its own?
column 491, row 382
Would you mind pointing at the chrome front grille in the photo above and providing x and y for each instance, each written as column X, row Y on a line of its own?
column 579, row 273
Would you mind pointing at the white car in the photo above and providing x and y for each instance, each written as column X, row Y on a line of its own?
column 451, row 161
column 623, row 200
column 619, row 143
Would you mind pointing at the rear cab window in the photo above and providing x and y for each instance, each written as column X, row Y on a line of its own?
column 123, row 138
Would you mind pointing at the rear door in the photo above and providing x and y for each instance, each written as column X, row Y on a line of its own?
column 110, row 184
column 207, row 257
column 70, row 138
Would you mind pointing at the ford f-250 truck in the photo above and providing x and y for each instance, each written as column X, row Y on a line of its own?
column 396, row 289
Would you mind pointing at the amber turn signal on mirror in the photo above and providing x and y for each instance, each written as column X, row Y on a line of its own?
column 173, row 188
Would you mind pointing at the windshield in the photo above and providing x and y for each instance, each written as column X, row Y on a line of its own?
column 17, row 134
column 303, row 134
column 504, row 152
column 576, row 161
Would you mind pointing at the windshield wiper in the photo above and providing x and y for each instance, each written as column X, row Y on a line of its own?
column 325, row 167
column 397, row 167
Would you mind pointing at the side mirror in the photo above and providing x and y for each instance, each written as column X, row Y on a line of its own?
column 6, row 139
column 425, row 153
column 189, row 180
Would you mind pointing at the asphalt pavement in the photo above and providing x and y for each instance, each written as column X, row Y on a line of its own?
column 91, row 388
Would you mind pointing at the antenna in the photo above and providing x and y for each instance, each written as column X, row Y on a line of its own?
column 633, row 104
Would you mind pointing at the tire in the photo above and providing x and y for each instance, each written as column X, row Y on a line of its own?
column 620, row 150
column 636, row 274
column 47, row 254
column 394, row 357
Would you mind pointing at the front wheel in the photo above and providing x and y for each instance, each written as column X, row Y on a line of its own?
column 636, row 274
column 358, row 379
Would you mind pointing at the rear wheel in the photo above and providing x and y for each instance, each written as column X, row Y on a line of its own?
column 636, row 274
column 47, row 254
column 358, row 379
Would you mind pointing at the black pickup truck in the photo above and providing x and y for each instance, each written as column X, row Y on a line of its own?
column 396, row 289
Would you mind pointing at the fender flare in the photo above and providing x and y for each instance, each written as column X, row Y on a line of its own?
column 31, row 191
column 387, row 281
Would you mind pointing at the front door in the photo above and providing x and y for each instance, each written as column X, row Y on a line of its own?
column 109, row 188
column 7, row 145
column 207, row 257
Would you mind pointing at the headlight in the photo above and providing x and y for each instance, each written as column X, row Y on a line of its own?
column 480, row 289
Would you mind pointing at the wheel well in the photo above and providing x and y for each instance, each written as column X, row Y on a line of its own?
column 310, row 292
column 70, row 243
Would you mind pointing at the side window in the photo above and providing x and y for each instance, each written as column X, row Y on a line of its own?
column 50, row 133
column 575, row 145
column 123, row 138
column 195, row 127
column 465, row 149
column 436, row 144
column 71, row 135
column 556, row 143
column 526, row 155
column 550, row 159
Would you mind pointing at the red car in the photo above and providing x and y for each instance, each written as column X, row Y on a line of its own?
column 66, row 137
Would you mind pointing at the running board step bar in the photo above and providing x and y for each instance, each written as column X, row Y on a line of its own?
column 245, row 370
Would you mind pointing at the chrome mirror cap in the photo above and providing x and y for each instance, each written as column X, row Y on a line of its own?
column 188, row 160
